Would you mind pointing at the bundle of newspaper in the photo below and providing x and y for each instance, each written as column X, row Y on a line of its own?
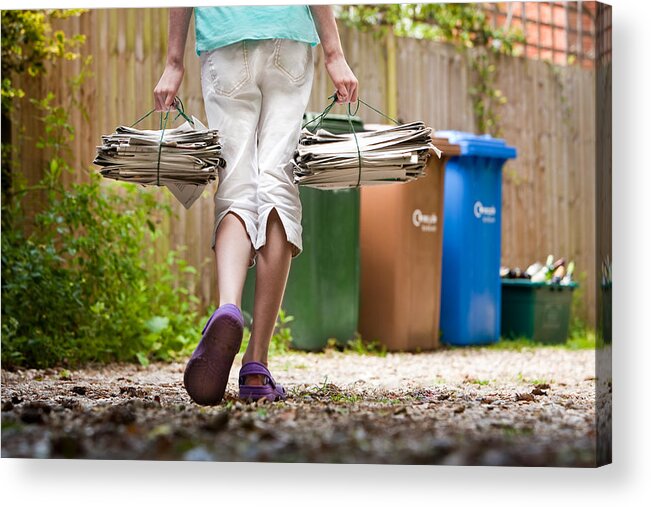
column 184, row 159
column 388, row 154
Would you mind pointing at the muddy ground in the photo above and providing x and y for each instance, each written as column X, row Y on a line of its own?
column 474, row 407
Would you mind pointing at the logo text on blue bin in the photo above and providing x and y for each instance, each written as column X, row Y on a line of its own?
column 484, row 213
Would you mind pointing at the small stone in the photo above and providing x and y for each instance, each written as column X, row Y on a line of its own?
column 198, row 454
column 121, row 414
column 217, row 422
column 35, row 412
column 71, row 403
column 494, row 458
column 68, row 446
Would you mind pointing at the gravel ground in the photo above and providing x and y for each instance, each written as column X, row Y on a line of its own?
column 457, row 407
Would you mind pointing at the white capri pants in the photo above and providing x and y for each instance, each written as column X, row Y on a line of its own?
column 255, row 93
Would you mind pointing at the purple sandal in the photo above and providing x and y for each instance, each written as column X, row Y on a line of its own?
column 206, row 373
column 270, row 390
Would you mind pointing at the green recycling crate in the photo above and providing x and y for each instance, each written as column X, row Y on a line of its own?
column 538, row 311
column 323, row 287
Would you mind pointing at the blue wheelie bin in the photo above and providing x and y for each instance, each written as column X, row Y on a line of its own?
column 471, row 290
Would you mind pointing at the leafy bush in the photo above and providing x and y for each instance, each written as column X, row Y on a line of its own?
column 281, row 340
column 28, row 41
column 80, row 277
column 84, row 285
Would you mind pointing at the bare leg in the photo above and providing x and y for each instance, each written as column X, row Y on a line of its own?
column 272, row 270
column 233, row 249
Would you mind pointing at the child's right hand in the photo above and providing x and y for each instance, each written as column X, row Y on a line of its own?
column 167, row 88
column 343, row 78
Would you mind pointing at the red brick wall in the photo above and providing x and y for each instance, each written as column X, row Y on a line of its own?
column 560, row 32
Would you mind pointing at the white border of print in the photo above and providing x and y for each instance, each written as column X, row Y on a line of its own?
column 99, row 483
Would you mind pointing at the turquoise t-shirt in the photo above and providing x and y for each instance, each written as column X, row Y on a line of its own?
column 219, row 26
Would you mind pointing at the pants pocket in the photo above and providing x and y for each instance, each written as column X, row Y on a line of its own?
column 229, row 68
column 292, row 58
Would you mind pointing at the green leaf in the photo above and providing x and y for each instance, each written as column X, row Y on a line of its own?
column 142, row 358
column 157, row 324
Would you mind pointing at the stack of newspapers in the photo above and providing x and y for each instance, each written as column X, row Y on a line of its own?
column 185, row 159
column 387, row 153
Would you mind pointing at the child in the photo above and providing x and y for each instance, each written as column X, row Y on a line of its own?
column 256, row 74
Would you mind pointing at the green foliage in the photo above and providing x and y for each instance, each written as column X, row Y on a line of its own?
column 464, row 25
column 281, row 340
column 84, row 285
column 577, row 324
column 358, row 346
column 328, row 392
column 246, row 338
column 581, row 339
column 369, row 348
column 578, row 339
column 484, row 94
column 29, row 41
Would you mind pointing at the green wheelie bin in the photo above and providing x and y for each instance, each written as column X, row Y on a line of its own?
column 322, row 292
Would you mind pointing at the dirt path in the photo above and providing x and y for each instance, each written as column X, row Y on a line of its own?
column 448, row 407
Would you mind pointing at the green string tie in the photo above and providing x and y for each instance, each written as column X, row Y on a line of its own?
column 163, row 127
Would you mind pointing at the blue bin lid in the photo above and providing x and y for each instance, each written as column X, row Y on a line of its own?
column 479, row 145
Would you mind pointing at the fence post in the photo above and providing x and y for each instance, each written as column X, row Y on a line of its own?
column 392, row 83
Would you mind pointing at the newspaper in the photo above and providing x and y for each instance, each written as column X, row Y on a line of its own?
column 387, row 154
column 190, row 156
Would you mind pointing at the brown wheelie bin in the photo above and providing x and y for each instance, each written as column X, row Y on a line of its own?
column 400, row 258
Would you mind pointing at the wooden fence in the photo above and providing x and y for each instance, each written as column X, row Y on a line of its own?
column 549, row 190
